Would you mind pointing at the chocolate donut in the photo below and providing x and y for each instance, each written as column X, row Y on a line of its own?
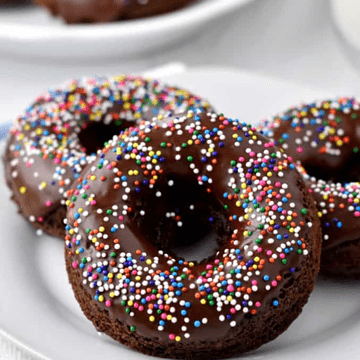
column 51, row 142
column 88, row 11
column 325, row 138
column 165, row 185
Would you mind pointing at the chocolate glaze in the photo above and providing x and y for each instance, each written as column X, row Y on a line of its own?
column 269, row 233
column 88, row 11
column 49, row 144
column 325, row 138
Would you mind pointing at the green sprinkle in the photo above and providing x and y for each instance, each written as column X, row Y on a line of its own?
column 303, row 211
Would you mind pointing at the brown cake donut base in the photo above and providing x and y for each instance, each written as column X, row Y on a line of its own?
column 342, row 261
column 255, row 330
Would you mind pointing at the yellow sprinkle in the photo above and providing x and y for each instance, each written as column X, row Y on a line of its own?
column 177, row 338
column 229, row 298
column 152, row 318
column 190, row 142
column 101, row 228
column 110, row 275
column 93, row 177
column 71, row 231
column 43, row 185
column 130, row 303
column 68, row 202
column 339, row 143
column 148, row 262
column 191, row 264
column 202, row 301
column 238, row 203
column 112, row 294
column 269, row 174
column 320, row 214
column 101, row 298
column 94, row 239
column 22, row 190
column 80, row 210
column 169, row 317
column 257, row 259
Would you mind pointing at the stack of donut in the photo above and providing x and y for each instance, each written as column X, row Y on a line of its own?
column 129, row 170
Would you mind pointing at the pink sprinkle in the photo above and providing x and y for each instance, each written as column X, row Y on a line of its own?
column 230, row 288
column 89, row 268
column 48, row 203
column 57, row 161
column 282, row 256
column 241, row 159
column 141, row 308
column 163, row 316
column 93, row 202
column 278, row 184
column 171, row 336
column 108, row 303
column 252, row 153
column 136, row 305
column 121, row 218
column 74, row 264
column 274, row 283
column 258, row 304
column 232, row 310
column 94, row 276
column 357, row 213
column 87, row 187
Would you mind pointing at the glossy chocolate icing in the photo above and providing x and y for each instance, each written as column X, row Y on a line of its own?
column 87, row 11
column 49, row 144
column 325, row 138
column 267, row 221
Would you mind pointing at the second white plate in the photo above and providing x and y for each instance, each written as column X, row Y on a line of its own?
column 30, row 31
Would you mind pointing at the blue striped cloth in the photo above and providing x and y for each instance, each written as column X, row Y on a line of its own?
column 4, row 129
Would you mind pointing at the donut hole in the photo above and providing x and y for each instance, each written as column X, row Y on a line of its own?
column 95, row 134
column 185, row 221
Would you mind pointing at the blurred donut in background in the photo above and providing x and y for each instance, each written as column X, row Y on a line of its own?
column 89, row 11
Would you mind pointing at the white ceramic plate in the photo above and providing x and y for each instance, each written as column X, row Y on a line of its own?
column 30, row 31
column 38, row 311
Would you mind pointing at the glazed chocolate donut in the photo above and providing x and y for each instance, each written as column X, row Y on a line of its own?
column 325, row 138
column 52, row 141
column 88, row 11
column 165, row 185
